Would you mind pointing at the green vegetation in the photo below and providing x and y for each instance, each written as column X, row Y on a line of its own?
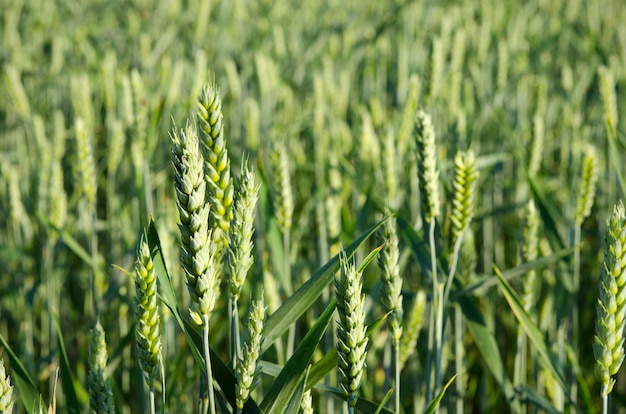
column 279, row 206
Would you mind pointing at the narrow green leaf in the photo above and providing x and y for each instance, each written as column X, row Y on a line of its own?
column 69, row 240
column 538, row 400
column 386, row 398
column 73, row 406
column 285, row 385
column 435, row 402
column 296, row 400
column 363, row 405
column 531, row 330
column 302, row 299
column 509, row 274
column 488, row 347
column 25, row 384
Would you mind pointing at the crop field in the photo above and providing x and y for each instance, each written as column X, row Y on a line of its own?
column 256, row 206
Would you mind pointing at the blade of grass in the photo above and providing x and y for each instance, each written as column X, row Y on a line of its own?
column 437, row 400
column 285, row 385
column 69, row 390
column 532, row 331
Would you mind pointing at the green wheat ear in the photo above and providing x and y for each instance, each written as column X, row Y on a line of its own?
column 247, row 370
column 100, row 394
column 427, row 166
column 608, row 346
column 587, row 186
column 6, row 391
column 391, row 287
column 240, row 248
column 197, row 258
column 216, row 163
column 147, row 332
column 464, row 185
column 413, row 327
column 352, row 341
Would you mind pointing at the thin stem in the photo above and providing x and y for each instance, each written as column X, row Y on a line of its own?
column 575, row 314
column 432, row 346
column 235, row 348
column 152, row 407
column 207, row 362
column 396, row 367
column 459, row 351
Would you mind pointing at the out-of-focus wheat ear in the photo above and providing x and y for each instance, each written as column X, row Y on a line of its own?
column 13, row 83
column 58, row 199
column 240, row 257
column 437, row 56
column 390, row 163
column 283, row 200
column 391, row 288
column 427, row 166
column 587, row 185
column 6, row 391
column 609, row 98
column 464, row 187
column 248, row 370
column 306, row 404
column 147, row 332
column 82, row 101
column 85, row 163
column 413, row 327
column 100, row 393
column 608, row 346
column 352, row 341
column 530, row 250
column 216, row 163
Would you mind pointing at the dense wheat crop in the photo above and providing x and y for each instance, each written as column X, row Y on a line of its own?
column 334, row 206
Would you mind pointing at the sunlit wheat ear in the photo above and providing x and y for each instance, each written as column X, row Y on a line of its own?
column 100, row 394
column 217, row 164
column 147, row 332
column 464, row 186
column 391, row 294
column 6, row 391
column 413, row 327
column 283, row 200
column 608, row 346
column 352, row 341
column 587, row 185
column 247, row 369
column 609, row 98
column 240, row 248
column 197, row 259
column 427, row 166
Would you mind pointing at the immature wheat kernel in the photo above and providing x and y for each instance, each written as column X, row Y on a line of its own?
column 6, row 391
column 587, row 186
column 216, row 163
column 247, row 369
column 240, row 257
column 147, row 332
column 100, row 394
column 608, row 346
column 197, row 258
column 351, row 338
column 427, row 166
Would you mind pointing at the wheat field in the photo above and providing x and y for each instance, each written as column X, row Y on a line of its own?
column 337, row 206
